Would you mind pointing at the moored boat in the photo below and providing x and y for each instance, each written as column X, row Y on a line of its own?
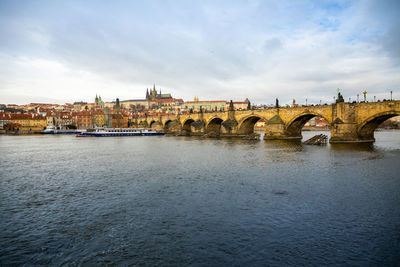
column 110, row 132
column 53, row 130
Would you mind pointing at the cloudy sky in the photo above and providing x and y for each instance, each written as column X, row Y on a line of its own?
column 64, row 51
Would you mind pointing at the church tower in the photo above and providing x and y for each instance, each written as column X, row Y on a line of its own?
column 117, row 106
column 154, row 93
column 100, row 102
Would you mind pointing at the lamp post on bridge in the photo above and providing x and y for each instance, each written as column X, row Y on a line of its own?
column 358, row 100
column 365, row 95
column 391, row 92
column 306, row 101
column 374, row 98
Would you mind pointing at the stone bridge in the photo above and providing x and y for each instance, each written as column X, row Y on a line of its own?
column 350, row 122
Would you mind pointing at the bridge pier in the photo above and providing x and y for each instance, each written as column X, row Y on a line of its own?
column 344, row 128
column 342, row 133
column 276, row 132
column 275, row 129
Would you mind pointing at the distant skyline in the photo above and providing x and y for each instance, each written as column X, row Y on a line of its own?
column 65, row 51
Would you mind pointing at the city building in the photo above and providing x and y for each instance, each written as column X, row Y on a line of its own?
column 239, row 105
column 29, row 122
column 317, row 122
column 216, row 105
column 64, row 120
column 119, row 121
column 98, row 118
column 51, row 120
column 196, row 104
column 5, row 118
column 83, row 119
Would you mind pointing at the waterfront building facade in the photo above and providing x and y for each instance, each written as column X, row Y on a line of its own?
column 29, row 122
column 98, row 118
column 83, row 120
column 50, row 119
column 119, row 121
column 63, row 120
column 5, row 118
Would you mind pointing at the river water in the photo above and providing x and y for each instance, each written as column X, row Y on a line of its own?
column 178, row 201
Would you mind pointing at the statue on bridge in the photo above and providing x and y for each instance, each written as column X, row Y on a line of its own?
column 231, row 107
column 365, row 95
column 340, row 98
column 276, row 103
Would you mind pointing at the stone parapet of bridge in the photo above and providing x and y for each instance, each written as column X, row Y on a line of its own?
column 350, row 122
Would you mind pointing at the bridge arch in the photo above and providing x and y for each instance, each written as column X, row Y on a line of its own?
column 187, row 125
column 294, row 126
column 246, row 125
column 214, row 125
column 171, row 126
column 166, row 125
column 367, row 127
column 142, row 124
column 156, row 125
column 152, row 123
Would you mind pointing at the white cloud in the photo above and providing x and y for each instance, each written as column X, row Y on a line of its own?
column 71, row 51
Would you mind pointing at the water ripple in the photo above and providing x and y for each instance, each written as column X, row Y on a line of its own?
column 177, row 201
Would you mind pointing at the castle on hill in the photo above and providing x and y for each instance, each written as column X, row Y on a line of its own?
column 153, row 95
column 153, row 100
